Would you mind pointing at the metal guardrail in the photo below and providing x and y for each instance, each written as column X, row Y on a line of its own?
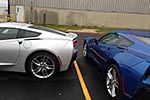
column 6, row 18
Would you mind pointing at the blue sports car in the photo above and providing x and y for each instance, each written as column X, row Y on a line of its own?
column 124, row 58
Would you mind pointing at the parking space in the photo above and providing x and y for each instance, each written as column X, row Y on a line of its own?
column 65, row 86
column 90, row 72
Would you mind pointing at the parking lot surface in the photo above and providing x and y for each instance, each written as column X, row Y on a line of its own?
column 65, row 86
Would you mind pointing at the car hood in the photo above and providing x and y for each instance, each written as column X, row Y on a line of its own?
column 132, row 57
column 144, row 54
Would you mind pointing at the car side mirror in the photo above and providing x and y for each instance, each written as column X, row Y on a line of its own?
column 96, row 41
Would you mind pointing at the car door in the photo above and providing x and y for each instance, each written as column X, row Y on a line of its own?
column 110, row 45
column 9, row 46
column 103, row 46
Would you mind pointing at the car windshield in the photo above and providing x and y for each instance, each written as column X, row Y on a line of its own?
column 143, row 39
column 46, row 29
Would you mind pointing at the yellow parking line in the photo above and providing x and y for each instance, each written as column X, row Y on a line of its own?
column 82, row 83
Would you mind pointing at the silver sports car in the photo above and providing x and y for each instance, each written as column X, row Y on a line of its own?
column 40, row 51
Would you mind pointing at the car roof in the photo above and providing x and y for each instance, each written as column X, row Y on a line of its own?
column 130, row 32
column 15, row 25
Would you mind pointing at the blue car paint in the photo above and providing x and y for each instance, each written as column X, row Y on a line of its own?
column 139, row 33
column 132, row 61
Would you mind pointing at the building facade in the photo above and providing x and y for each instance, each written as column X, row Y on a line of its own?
column 134, row 14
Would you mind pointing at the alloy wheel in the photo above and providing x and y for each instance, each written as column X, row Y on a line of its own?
column 85, row 50
column 112, row 82
column 42, row 66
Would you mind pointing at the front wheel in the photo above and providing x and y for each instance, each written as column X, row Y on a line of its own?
column 113, row 82
column 42, row 65
column 85, row 50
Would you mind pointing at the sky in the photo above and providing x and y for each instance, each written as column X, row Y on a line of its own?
column 3, row 3
column 3, row 6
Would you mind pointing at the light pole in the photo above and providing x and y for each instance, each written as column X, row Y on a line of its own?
column 8, row 7
column 8, row 13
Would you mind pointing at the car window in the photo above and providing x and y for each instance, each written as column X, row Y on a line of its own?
column 143, row 39
column 123, row 42
column 47, row 29
column 8, row 33
column 114, row 39
column 26, row 34
column 109, row 39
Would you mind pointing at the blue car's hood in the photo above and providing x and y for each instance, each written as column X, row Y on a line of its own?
column 144, row 54
column 132, row 57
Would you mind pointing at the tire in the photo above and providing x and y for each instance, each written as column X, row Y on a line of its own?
column 42, row 65
column 113, row 83
column 85, row 51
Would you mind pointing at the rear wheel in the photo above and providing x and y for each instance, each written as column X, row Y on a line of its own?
column 42, row 65
column 113, row 82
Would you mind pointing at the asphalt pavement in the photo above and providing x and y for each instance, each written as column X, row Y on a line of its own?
column 64, row 86
column 91, row 72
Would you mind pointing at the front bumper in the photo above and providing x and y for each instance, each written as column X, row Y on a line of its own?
column 143, row 92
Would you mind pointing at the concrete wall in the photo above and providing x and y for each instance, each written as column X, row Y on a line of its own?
column 119, row 6
column 86, row 18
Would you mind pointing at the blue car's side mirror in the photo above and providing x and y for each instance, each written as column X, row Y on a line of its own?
column 96, row 41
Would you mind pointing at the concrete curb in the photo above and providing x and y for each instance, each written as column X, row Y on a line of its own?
column 84, row 31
